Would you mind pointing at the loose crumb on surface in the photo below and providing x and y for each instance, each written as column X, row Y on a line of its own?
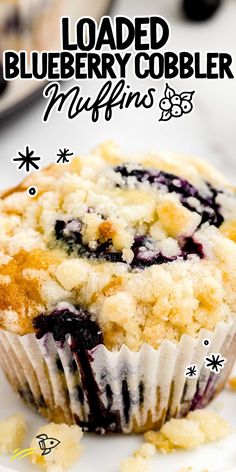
column 140, row 460
column 135, row 464
column 65, row 454
column 146, row 450
column 200, row 426
column 212, row 425
column 12, row 433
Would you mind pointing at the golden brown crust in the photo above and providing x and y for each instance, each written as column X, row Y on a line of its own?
column 132, row 306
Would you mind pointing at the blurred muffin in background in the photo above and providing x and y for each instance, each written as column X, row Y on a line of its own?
column 29, row 24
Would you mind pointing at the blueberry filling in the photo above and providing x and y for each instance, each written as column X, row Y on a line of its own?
column 85, row 335
column 27, row 395
column 210, row 210
column 59, row 365
column 126, row 400
column 80, row 394
column 109, row 395
column 141, row 392
column 144, row 256
column 144, row 248
column 79, row 324
column 70, row 233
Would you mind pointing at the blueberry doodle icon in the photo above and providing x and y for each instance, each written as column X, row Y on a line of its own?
column 174, row 105
column 46, row 444
column 215, row 362
column 63, row 156
column 27, row 160
column 191, row 371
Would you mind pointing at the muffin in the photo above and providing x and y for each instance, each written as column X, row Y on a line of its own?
column 29, row 24
column 118, row 275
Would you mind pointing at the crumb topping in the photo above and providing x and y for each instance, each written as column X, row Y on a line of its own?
column 146, row 248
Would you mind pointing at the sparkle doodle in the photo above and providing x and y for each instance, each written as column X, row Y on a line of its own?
column 191, row 371
column 215, row 362
column 27, row 160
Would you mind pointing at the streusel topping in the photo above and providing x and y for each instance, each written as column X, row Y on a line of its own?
column 139, row 249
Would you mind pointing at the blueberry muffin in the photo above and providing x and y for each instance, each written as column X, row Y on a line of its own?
column 115, row 277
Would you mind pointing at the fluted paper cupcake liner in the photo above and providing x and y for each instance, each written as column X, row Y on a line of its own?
column 119, row 391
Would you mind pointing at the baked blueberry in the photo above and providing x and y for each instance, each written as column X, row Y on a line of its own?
column 200, row 10
column 77, row 322
column 209, row 209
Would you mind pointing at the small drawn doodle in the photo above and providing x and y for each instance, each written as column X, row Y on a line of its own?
column 206, row 342
column 21, row 453
column 46, row 444
column 191, row 371
column 63, row 156
column 174, row 105
column 27, row 159
column 215, row 362
column 32, row 191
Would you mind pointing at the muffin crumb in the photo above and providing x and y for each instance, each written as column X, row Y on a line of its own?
column 135, row 464
column 12, row 433
column 146, row 450
column 212, row 425
column 62, row 456
column 140, row 460
column 200, row 426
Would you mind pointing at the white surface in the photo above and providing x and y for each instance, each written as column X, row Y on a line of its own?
column 104, row 454
column 209, row 132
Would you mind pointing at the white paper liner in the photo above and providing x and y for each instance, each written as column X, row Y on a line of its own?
column 134, row 391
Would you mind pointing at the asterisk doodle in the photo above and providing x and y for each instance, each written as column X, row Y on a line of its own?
column 27, row 159
column 191, row 371
column 215, row 362
column 63, row 156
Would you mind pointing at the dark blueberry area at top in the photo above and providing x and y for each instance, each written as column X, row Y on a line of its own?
column 70, row 232
column 144, row 253
column 85, row 332
column 210, row 210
